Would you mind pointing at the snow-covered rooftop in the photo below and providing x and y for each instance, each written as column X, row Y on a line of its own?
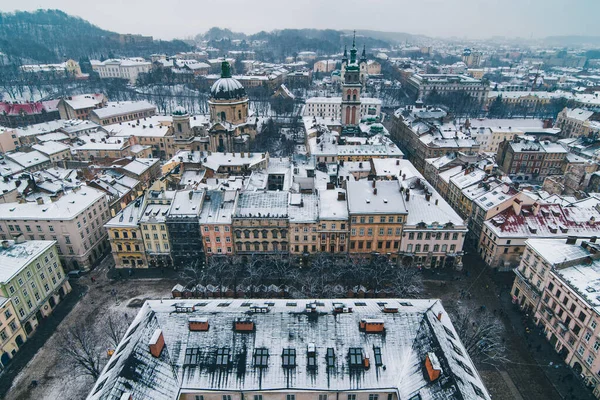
column 187, row 363
column 114, row 109
column 375, row 197
column 17, row 256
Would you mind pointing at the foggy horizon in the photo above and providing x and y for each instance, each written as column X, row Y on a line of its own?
column 463, row 19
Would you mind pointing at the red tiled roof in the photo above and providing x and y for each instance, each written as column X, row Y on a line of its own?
column 28, row 108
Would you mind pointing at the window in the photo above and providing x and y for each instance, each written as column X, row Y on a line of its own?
column 373, row 397
column 7, row 314
column 290, row 397
column 322, row 397
column 587, row 337
column 590, row 359
column 261, row 357
column 351, row 397
column 581, row 350
column 289, row 358
column 258, row 397
column 226, row 397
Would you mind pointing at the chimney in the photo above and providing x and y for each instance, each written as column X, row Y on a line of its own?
column 5, row 244
column 244, row 325
column 341, row 196
column 39, row 200
column 374, row 190
column 407, row 198
column 374, row 183
column 571, row 239
column 397, row 162
column 156, row 344
column 593, row 239
column 436, row 202
column 191, row 194
column 427, row 196
column 433, row 366
column 439, row 316
column 198, row 324
column 19, row 238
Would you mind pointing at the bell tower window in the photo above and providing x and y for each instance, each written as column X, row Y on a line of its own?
column 223, row 116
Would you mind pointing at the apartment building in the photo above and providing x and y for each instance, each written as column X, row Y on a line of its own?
column 125, row 236
column 255, row 347
column 424, row 132
column 55, row 151
column 216, row 222
column 576, row 122
column 74, row 220
column 421, row 85
column 377, row 212
column 32, row 276
column 12, row 335
column 260, row 223
column 128, row 68
column 117, row 112
column 333, row 229
column 557, row 283
column 80, row 106
column 153, row 223
column 531, row 160
column 331, row 107
column 503, row 237
column 183, row 226
column 303, row 216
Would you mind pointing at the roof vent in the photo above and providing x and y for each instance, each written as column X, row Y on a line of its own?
column 157, row 342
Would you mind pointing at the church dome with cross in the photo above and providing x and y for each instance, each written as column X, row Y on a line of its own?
column 227, row 88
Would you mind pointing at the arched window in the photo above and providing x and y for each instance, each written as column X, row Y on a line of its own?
column 353, row 97
column 223, row 116
column 178, row 127
column 220, row 141
column 239, row 114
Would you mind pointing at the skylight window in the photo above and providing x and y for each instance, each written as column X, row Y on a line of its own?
column 378, row 360
column 356, row 357
column 222, row 357
column 330, row 357
column 192, row 356
column 289, row 358
column 261, row 357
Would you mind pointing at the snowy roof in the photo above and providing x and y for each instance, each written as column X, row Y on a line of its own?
column 140, row 165
column 330, row 207
column 363, row 200
column 114, row 109
column 41, row 128
column 187, row 364
column 262, row 204
column 48, row 137
column 155, row 213
column 462, row 181
column 18, row 255
column 66, row 207
column 27, row 160
column 50, row 147
column 218, row 207
column 84, row 100
column 186, row 203
column 155, row 126
column 579, row 114
column 129, row 216
column 495, row 196
column 216, row 160
column 303, row 208
column 551, row 220
column 557, row 251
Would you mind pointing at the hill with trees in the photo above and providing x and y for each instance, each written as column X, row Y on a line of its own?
column 49, row 36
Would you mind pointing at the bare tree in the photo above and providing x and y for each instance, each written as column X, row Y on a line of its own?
column 80, row 348
column 482, row 335
column 115, row 329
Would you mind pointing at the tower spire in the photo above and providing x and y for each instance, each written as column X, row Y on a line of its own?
column 353, row 50
column 363, row 56
column 345, row 57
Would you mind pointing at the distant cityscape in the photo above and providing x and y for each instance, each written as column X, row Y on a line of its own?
column 415, row 220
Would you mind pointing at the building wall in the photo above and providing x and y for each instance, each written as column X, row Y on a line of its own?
column 375, row 233
column 12, row 335
column 37, row 288
column 81, row 239
column 303, row 238
column 127, row 247
column 218, row 239
column 156, row 242
column 260, row 235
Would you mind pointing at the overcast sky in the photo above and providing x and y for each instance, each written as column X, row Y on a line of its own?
column 167, row 19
